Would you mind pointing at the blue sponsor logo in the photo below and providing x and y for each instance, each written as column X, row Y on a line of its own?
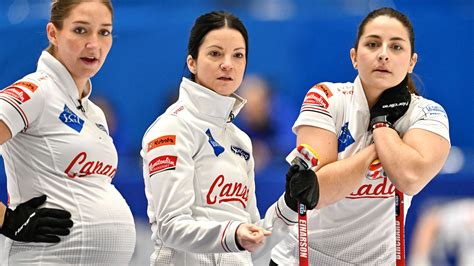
column 345, row 139
column 240, row 152
column 434, row 110
column 218, row 149
column 101, row 127
column 71, row 119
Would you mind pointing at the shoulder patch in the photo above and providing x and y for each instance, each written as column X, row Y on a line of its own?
column 19, row 95
column 433, row 110
column 161, row 164
column 322, row 87
column 26, row 84
column 161, row 141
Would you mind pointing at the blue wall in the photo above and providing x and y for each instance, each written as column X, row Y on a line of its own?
column 309, row 44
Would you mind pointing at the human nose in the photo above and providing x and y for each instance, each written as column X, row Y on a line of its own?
column 92, row 42
column 226, row 64
column 383, row 55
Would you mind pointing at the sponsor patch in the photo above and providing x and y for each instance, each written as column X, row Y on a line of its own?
column 345, row 139
column 181, row 108
column 162, row 163
column 375, row 170
column 314, row 98
column 434, row 110
column 240, row 152
column 324, row 89
column 31, row 86
column 218, row 149
column 69, row 118
column 162, row 141
column 102, row 127
column 18, row 94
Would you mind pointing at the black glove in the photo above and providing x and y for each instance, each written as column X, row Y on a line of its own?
column 27, row 223
column 392, row 104
column 301, row 186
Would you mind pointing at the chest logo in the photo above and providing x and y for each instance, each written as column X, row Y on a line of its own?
column 345, row 139
column 218, row 149
column 73, row 121
column 222, row 191
column 240, row 152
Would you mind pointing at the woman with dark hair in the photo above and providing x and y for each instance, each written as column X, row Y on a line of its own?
column 57, row 150
column 374, row 135
column 198, row 166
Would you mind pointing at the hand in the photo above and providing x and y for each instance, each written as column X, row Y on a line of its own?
column 27, row 223
column 301, row 186
column 250, row 236
column 392, row 104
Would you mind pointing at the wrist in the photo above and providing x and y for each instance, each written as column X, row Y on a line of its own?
column 379, row 122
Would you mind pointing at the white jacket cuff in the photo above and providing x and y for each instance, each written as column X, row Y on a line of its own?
column 285, row 213
column 228, row 239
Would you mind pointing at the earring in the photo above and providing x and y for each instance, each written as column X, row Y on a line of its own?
column 355, row 65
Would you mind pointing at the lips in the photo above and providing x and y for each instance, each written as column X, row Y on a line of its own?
column 382, row 70
column 89, row 59
column 225, row 78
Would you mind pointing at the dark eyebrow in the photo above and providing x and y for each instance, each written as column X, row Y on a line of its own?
column 217, row 46
column 392, row 39
column 87, row 23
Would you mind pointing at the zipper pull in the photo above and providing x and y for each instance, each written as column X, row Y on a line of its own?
column 80, row 107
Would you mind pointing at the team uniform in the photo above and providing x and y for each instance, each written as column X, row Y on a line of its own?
column 61, row 147
column 199, row 181
column 359, row 229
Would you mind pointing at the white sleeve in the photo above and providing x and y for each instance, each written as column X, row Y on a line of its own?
column 167, row 151
column 20, row 105
column 432, row 117
column 318, row 108
column 278, row 218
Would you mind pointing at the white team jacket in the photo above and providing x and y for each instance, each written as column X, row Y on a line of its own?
column 67, row 154
column 199, row 181
column 359, row 229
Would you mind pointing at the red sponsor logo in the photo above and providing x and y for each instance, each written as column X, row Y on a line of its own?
column 181, row 108
column 315, row 98
column 220, row 191
column 375, row 170
column 162, row 163
column 87, row 168
column 380, row 190
column 16, row 93
column 31, row 86
column 162, row 141
column 324, row 89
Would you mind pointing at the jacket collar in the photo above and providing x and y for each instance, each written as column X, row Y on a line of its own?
column 58, row 72
column 209, row 103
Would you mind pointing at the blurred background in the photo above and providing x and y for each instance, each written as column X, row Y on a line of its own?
column 293, row 44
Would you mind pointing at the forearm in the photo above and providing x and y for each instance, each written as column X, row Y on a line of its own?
column 412, row 162
column 340, row 178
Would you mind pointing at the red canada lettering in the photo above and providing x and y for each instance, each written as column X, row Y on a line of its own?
column 88, row 168
column 381, row 190
column 225, row 192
